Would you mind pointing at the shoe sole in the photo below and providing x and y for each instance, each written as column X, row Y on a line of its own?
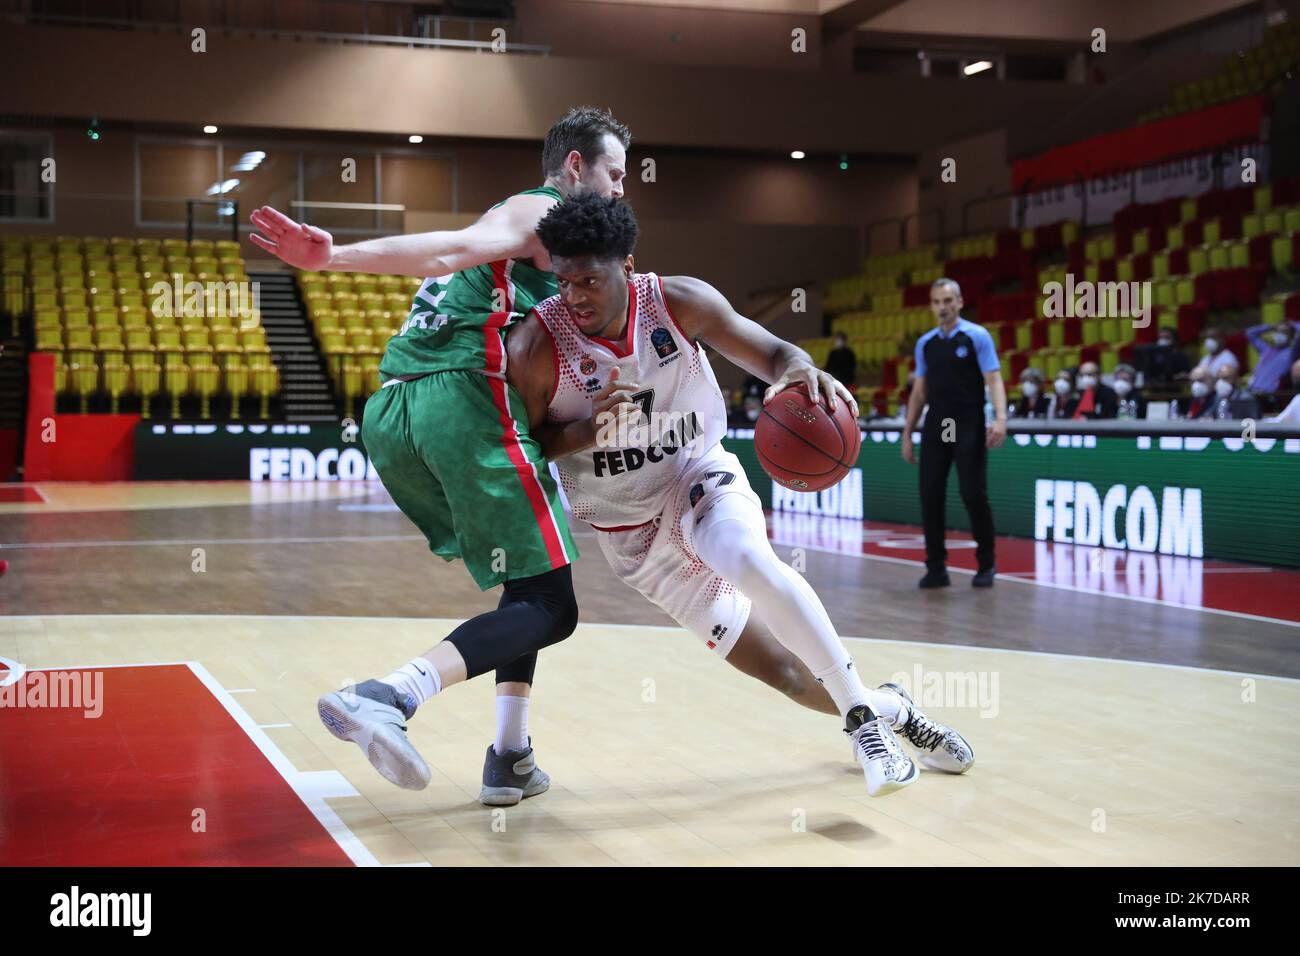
column 893, row 785
column 387, row 749
column 510, row 796
column 931, row 764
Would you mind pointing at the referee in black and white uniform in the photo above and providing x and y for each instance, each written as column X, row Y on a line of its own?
column 955, row 361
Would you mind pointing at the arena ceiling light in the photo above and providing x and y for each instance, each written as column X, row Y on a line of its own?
column 796, row 154
column 217, row 189
column 249, row 161
column 209, row 128
column 415, row 138
column 979, row 66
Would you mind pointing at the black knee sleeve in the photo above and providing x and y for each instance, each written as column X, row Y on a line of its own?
column 534, row 612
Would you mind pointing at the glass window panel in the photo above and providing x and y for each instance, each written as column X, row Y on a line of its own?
column 171, row 173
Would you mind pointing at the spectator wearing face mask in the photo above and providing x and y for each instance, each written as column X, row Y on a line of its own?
column 1063, row 393
column 1231, row 400
column 1032, row 403
column 746, row 414
column 1291, row 414
column 842, row 364
column 1217, row 354
column 1132, row 403
column 1165, row 360
column 753, row 385
column 1278, row 346
column 1094, row 400
column 1201, row 401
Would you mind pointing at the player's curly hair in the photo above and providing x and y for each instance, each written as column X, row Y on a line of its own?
column 589, row 225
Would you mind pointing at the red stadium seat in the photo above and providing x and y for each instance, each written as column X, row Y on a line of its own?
column 1246, row 286
column 916, row 296
column 1238, row 345
column 1205, row 285
column 1293, row 306
column 1019, row 362
column 1191, row 319
column 1073, row 331
column 1260, row 250
column 889, row 373
column 1006, row 337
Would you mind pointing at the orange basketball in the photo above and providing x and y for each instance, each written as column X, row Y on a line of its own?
column 802, row 445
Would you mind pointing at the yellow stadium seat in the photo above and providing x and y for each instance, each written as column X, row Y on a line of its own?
column 1282, row 253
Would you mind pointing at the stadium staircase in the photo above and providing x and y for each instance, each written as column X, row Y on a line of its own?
column 305, row 387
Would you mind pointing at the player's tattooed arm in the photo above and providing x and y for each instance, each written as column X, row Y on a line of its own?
column 506, row 232
column 705, row 314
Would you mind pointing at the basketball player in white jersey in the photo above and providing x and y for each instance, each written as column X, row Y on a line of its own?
column 674, row 513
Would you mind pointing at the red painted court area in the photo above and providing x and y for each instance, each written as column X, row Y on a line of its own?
column 1235, row 587
column 122, row 789
column 20, row 494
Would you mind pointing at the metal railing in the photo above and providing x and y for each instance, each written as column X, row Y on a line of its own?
column 225, row 207
column 412, row 41
column 386, row 218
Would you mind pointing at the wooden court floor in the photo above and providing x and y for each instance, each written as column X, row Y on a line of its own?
column 1106, row 732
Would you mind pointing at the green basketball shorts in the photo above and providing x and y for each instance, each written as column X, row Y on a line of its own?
column 454, row 451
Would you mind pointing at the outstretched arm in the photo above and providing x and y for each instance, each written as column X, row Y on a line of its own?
column 705, row 314
column 505, row 232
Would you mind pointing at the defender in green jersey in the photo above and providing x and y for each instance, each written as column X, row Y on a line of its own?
column 450, row 440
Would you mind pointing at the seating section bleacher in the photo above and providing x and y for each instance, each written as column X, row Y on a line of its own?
column 1207, row 258
column 1243, row 74
column 353, row 315
column 97, row 308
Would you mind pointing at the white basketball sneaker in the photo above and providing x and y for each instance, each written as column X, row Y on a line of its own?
column 372, row 715
column 941, row 747
column 884, row 763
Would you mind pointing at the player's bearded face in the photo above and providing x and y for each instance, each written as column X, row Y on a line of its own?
column 594, row 291
column 604, row 175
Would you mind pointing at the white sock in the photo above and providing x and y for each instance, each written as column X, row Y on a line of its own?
column 732, row 539
column 419, row 678
column 512, row 724
column 847, row 690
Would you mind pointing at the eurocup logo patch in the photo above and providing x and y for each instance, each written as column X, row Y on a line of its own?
column 663, row 342
column 962, row 351
column 587, row 365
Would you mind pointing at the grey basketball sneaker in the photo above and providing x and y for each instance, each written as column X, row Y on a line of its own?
column 941, row 747
column 372, row 715
column 511, row 776
column 884, row 764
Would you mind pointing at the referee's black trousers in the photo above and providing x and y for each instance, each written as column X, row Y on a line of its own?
column 966, row 446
